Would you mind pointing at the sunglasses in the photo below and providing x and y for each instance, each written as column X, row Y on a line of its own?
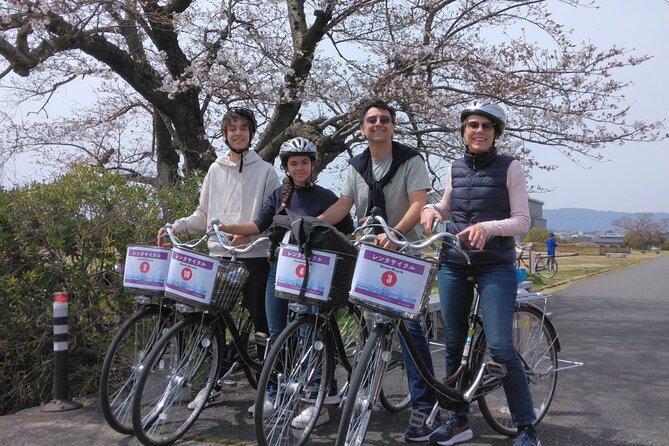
column 474, row 125
column 382, row 119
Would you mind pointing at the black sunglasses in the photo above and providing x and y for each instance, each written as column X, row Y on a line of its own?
column 383, row 119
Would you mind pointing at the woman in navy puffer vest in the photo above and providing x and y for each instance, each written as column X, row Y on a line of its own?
column 485, row 200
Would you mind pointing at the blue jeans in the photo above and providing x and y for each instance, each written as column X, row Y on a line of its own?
column 276, row 309
column 497, row 286
column 422, row 395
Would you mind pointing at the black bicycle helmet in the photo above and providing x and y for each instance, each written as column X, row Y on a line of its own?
column 490, row 110
column 244, row 113
column 297, row 146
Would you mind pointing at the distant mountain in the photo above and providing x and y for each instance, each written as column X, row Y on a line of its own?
column 587, row 220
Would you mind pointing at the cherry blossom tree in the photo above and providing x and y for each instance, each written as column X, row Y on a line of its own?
column 160, row 74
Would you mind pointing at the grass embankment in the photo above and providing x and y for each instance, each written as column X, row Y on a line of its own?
column 572, row 268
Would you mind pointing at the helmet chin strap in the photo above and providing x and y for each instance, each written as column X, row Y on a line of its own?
column 239, row 152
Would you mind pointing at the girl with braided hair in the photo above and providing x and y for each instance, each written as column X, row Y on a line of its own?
column 302, row 197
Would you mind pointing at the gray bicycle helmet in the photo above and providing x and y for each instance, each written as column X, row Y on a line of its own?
column 490, row 110
column 297, row 146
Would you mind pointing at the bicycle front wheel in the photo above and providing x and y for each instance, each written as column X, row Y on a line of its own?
column 364, row 389
column 395, row 394
column 536, row 344
column 182, row 363
column 123, row 362
column 296, row 375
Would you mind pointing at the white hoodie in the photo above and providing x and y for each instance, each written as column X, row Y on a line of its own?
column 232, row 197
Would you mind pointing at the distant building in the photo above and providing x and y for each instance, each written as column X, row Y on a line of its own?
column 609, row 238
column 537, row 214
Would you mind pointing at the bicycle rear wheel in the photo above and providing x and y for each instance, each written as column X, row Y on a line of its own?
column 536, row 344
column 123, row 363
column 182, row 363
column 296, row 374
column 364, row 389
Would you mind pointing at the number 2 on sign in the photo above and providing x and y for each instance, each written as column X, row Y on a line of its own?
column 389, row 278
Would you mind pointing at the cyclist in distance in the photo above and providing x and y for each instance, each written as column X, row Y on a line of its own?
column 233, row 190
column 392, row 177
column 302, row 197
column 485, row 199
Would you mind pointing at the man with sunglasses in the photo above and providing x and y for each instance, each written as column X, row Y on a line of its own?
column 392, row 177
column 485, row 199
column 233, row 191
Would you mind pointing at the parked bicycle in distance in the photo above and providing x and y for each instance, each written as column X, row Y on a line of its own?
column 544, row 265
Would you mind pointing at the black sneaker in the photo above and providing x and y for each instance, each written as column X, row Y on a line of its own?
column 419, row 430
column 455, row 430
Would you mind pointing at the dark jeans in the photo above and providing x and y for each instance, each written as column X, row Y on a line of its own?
column 254, row 291
column 497, row 286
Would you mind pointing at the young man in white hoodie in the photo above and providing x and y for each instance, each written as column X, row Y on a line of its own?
column 233, row 191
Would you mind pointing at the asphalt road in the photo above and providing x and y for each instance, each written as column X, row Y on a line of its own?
column 616, row 323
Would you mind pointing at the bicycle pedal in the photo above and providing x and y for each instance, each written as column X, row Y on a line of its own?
column 417, row 418
column 227, row 382
column 495, row 369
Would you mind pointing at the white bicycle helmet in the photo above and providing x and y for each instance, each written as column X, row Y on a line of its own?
column 490, row 110
column 297, row 146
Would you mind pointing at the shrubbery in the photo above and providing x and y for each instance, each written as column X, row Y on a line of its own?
column 67, row 236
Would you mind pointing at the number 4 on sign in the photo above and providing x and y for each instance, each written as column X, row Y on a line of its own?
column 299, row 271
column 389, row 278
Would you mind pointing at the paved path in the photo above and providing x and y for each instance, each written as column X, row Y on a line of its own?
column 617, row 323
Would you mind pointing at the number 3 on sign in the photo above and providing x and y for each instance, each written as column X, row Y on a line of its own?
column 389, row 278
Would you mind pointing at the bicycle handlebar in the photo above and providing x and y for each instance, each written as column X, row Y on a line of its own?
column 221, row 237
column 375, row 220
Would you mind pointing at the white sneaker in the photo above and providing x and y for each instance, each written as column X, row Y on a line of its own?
column 301, row 421
column 267, row 409
column 330, row 400
column 215, row 397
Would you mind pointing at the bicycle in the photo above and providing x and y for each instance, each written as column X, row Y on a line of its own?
column 193, row 355
column 544, row 265
column 303, row 359
column 478, row 378
column 144, row 274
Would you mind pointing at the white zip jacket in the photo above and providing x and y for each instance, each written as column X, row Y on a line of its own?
column 232, row 197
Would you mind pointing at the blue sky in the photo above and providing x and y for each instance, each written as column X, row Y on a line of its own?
column 636, row 177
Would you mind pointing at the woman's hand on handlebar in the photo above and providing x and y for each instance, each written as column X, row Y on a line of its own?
column 427, row 217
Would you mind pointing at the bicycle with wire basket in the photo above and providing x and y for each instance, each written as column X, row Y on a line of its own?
column 323, row 338
column 144, row 274
column 204, row 348
column 478, row 377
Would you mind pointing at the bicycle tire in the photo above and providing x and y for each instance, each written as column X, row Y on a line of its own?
column 395, row 394
column 536, row 343
column 123, row 362
column 182, row 363
column 545, row 268
column 364, row 390
column 300, row 351
column 251, row 363
column 353, row 330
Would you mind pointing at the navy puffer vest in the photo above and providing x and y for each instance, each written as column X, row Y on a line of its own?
column 479, row 194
